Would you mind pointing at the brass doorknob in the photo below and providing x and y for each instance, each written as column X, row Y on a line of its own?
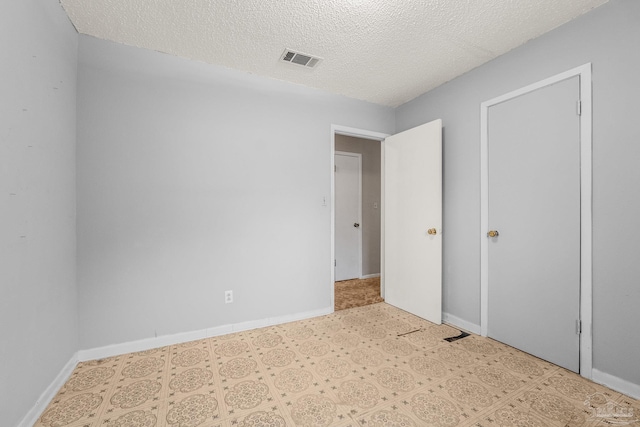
column 432, row 231
column 493, row 233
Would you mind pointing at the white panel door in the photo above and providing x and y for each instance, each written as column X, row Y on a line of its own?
column 413, row 221
column 348, row 262
column 534, row 205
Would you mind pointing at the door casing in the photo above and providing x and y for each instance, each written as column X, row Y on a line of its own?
column 584, row 73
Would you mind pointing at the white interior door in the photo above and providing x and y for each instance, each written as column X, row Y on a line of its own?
column 348, row 237
column 413, row 220
column 534, row 205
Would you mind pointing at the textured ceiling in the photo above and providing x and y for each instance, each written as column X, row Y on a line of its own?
column 386, row 52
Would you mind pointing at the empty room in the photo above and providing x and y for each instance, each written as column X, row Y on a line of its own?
column 172, row 180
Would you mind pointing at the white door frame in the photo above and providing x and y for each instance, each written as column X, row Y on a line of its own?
column 584, row 73
column 364, row 134
column 359, row 157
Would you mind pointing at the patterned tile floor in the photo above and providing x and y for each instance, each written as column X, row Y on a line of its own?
column 349, row 368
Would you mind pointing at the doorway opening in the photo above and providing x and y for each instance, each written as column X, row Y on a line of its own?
column 356, row 225
column 357, row 190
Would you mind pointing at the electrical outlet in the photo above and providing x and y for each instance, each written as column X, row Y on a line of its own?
column 228, row 297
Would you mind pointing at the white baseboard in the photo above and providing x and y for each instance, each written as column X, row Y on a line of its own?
column 459, row 323
column 161, row 341
column 45, row 398
column 616, row 383
column 369, row 276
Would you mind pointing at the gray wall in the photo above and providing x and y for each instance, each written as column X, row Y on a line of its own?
column 609, row 37
column 371, row 151
column 38, row 310
column 193, row 180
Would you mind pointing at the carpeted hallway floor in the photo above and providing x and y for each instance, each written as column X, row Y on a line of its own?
column 356, row 293
column 350, row 368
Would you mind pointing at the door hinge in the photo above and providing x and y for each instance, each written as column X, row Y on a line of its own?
column 335, row 168
column 578, row 327
column 579, row 107
column 335, row 263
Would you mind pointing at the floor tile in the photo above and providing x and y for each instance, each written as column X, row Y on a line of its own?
column 366, row 366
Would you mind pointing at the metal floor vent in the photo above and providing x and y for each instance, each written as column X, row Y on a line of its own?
column 457, row 337
column 303, row 59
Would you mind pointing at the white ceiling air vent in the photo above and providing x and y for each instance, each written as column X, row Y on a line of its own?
column 303, row 59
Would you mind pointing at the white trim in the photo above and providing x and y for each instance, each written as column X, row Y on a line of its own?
column 369, row 276
column 586, row 221
column 382, row 219
column 358, row 133
column 365, row 134
column 359, row 157
column 584, row 73
column 161, row 341
column 49, row 393
column 459, row 323
column 616, row 383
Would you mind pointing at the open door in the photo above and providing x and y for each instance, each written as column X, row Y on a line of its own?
column 413, row 221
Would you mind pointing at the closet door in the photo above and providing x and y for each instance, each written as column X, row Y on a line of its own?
column 534, row 222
